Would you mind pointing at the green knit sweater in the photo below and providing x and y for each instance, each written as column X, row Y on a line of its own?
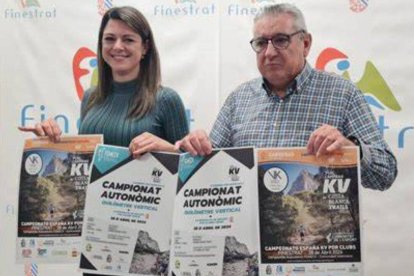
column 166, row 120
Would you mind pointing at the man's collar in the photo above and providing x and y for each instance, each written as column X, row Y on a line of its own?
column 295, row 86
column 303, row 77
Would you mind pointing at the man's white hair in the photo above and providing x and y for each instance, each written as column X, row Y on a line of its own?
column 283, row 8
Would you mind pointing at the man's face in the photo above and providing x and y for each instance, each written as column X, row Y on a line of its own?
column 280, row 67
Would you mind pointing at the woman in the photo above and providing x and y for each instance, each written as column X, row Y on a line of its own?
column 129, row 106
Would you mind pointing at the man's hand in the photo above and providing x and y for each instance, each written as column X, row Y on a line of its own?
column 326, row 139
column 49, row 128
column 196, row 143
column 147, row 142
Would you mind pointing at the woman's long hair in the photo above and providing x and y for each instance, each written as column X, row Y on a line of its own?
column 149, row 77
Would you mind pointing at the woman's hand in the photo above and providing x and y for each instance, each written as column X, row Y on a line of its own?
column 196, row 143
column 49, row 128
column 147, row 142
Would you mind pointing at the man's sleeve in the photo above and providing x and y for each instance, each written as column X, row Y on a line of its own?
column 378, row 164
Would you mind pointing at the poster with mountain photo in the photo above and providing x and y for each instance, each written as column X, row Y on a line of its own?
column 128, row 212
column 309, row 212
column 215, row 215
column 53, row 182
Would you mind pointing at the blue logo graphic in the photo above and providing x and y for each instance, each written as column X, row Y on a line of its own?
column 358, row 5
column 29, row 9
column 251, row 8
column 103, row 6
column 182, row 8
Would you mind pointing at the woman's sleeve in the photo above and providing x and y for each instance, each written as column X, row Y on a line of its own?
column 175, row 121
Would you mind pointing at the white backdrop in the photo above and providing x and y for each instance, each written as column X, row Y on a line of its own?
column 205, row 54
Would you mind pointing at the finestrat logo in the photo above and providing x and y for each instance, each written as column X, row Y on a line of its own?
column 358, row 5
column 375, row 89
column 372, row 83
column 182, row 8
column 84, row 64
column 29, row 9
column 103, row 6
column 247, row 8
column 29, row 3
column 31, row 269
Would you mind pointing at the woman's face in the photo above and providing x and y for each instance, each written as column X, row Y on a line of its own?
column 122, row 50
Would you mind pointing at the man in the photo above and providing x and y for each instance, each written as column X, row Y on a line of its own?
column 294, row 105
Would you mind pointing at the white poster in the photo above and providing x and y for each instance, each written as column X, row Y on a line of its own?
column 128, row 213
column 215, row 214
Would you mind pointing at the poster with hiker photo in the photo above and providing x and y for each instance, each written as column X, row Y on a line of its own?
column 309, row 212
column 128, row 212
column 53, row 182
column 215, row 214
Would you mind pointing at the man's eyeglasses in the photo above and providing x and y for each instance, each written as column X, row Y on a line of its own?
column 279, row 41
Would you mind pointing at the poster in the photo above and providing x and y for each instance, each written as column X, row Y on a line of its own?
column 53, row 181
column 128, row 213
column 215, row 215
column 309, row 212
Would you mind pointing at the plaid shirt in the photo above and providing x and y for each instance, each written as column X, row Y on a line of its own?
column 253, row 116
